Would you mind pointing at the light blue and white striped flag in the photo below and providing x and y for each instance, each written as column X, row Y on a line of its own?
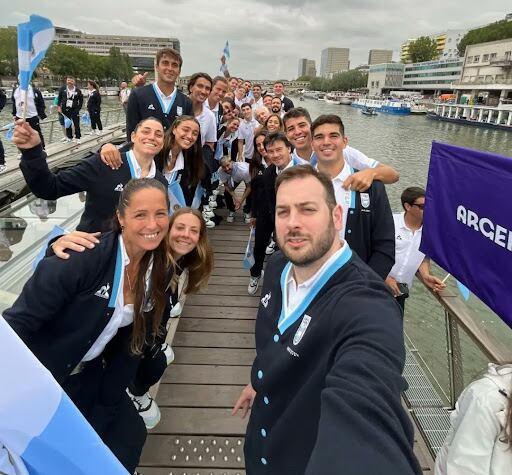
column 226, row 49
column 41, row 430
column 34, row 38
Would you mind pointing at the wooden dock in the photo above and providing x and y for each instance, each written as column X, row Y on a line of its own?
column 214, row 345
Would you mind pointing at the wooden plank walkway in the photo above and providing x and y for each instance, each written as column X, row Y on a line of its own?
column 214, row 348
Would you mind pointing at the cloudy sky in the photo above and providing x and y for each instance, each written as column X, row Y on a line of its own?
column 267, row 37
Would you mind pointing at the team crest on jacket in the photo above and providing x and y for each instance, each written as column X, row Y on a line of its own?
column 119, row 187
column 151, row 107
column 264, row 300
column 103, row 292
column 365, row 200
column 179, row 110
column 301, row 330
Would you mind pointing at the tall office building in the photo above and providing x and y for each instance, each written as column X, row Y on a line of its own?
column 140, row 49
column 307, row 67
column 334, row 60
column 380, row 56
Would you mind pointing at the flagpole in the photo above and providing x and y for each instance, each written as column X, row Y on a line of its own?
column 25, row 97
column 446, row 278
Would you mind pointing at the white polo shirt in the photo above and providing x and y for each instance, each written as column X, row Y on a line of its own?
column 122, row 316
column 239, row 173
column 357, row 159
column 246, row 132
column 297, row 293
column 407, row 255
column 207, row 125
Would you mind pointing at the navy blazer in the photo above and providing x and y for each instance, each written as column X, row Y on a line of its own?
column 143, row 103
column 66, row 304
column 102, row 184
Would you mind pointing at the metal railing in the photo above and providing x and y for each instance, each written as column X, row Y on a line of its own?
column 52, row 126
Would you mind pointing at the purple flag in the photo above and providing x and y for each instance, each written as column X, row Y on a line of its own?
column 467, row 224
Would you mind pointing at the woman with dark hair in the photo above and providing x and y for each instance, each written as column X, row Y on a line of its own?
column 94, row 107
column 99, row 310
column 274, row 123
column 190, row 260
column 480, row 439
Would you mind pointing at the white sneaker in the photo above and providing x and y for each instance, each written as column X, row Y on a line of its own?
column 212, row 202
column 270, row 248
column 215, row 192
column 247, row 218
column 99, row 132
column 231, row 217
column 77, row 141
column 176, row 310
column 169, row 353
column 147, row 408
column 254, row 283
column 207, row 212
column 208, row 222
column 65, row 139
column 92, row 132
column 3, row 168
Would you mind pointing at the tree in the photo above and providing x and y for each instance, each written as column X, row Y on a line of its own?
column 65, row 60
column 500, row 30
column 423, row 49
column 304, row 78
column 8, row 52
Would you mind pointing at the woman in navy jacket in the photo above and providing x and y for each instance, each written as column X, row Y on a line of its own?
column 99, row 310
column 94, row 107
column 103, row 185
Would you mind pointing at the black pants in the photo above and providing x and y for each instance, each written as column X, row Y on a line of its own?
column 264, row 228
column 230, row 203
column 2, row 153
column 76, row 123
column 95, row 120
column 401, row 301
column 34, row 123
column 151, row 369
column 119, row 425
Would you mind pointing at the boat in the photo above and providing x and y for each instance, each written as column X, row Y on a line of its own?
column 48, row 96
column 418, row 109
column 387, row 106
column 321, row 97
column 331, row 99
column 369, row 111
column 485, row 119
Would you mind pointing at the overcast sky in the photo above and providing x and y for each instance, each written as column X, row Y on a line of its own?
column 267, row 37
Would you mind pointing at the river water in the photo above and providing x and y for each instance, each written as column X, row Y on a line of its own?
column 404, row 142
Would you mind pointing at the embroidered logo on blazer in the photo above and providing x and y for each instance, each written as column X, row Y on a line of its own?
column 265, row 300
column 119, row 187
column 103, row 292
column 151, row 107
column 365, row 200
column 301, row 330
column 179, row 110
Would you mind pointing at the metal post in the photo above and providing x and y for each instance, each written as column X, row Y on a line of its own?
column 454, row 358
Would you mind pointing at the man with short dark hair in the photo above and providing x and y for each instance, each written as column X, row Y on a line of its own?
column 70, row 101
column 231, row 174
column 279, row 92
column 267, row 101
column 277, row 106
column 297, row 126
column 160, row 99
column 246, row 133
column 199, row 88
column 408, row 258
column 258, row 99
column 326, row 383
column 367, row 220
column 219, row 88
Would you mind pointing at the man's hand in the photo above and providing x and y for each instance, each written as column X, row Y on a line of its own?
column 76, row 241
column 140, row 79
column 25, row 137
column 111, row 156
column 434, row 283
column 59, row 109
column 393, row 285
column 245, row 401
column 360, row 181
column 237, row 205
column 253, row 222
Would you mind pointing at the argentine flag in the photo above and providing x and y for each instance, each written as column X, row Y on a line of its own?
column 34, row 38
column 41, row 430
column 226, row 49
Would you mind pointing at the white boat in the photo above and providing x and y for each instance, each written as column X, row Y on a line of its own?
column 332, row 99
column 418, row 109
column 384, row 105
column 48, row 96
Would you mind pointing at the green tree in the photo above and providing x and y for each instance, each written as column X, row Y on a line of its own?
column 8, row 52
column 423, row 49
column 304, row 78
column 64, row 59
column 501, row 30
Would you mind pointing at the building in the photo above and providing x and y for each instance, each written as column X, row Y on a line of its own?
column 380, row 56
column 334, row 60
column 140, row 49
column 383, row 78
column 446, row 45
column 364, row 68
column 432, row 77
column 487, row 73
column 307, row 67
